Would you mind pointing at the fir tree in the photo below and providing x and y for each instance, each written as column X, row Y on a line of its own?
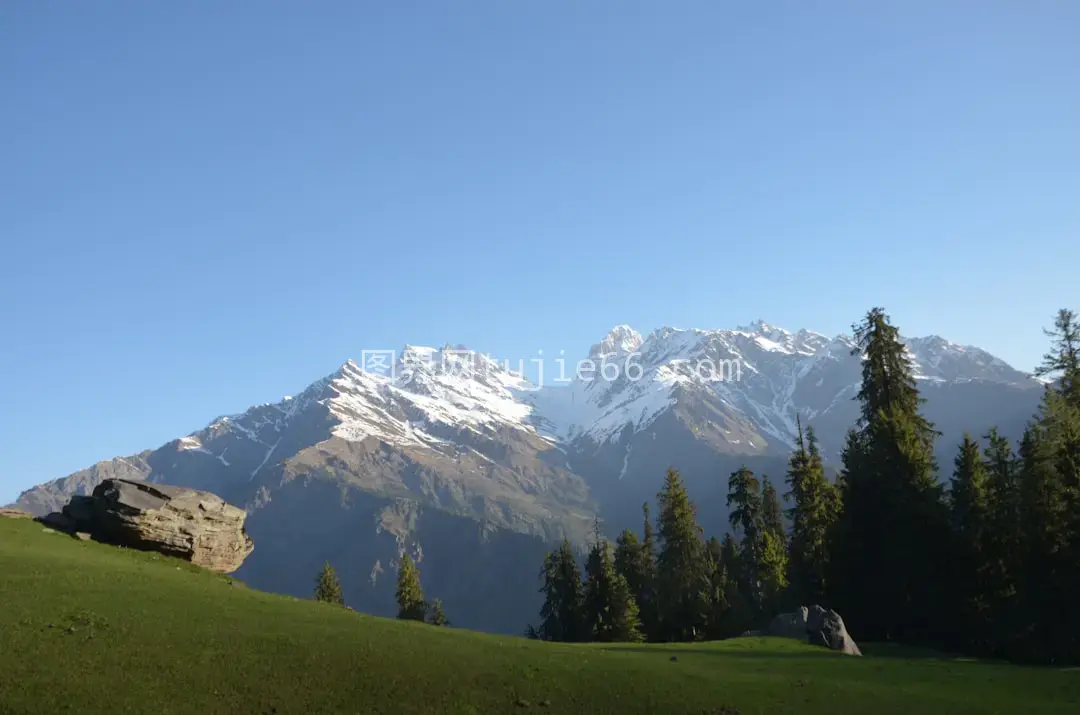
column 718, row 590
column 636, row 564
column 893, row 521
column 1051, row 476
column 646, row 596
column 771, row 512
column 1062, row 361
column 745, row 515
column 327, row 586
column 682, row 568
column 562, row 618
column 1004, row 538
column 410, row 597
column 773, row 551
column 436, row 614
column 813, row 512
column 970, row 568
column 628, row 560
column 611, row 612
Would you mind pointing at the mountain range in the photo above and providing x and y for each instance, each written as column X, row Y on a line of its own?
column 475, row 470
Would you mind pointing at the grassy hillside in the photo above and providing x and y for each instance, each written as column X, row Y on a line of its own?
column 89, row 628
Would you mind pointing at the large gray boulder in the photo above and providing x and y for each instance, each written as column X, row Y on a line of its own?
column 815, row 625
column 197, row 526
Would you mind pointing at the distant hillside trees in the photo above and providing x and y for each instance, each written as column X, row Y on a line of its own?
column 327, row 586
column 409, row 595
column 436, row 615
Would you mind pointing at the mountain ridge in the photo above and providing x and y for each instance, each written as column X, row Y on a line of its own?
column 459, row 460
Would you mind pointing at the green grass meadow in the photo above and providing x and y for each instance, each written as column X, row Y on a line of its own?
column 89, row 628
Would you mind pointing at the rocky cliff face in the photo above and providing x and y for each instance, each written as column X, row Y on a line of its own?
column 459, row 460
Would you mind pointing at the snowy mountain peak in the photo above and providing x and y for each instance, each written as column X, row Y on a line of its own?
column 620, row 339
column 760, row 327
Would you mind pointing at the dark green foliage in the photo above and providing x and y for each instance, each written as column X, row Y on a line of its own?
column 562, row 615
column 815, row 507
column 970, row 570
column 888, row 553
column 990, row 566
column 410, row 597
column 610, row 609
column 436, row 615
column 647, row 597
column 771, row 513
column 1003, row 541
column 636, row 563
column 683, row 574
column 745, row 514
column 1063, row 359
column 327, row 586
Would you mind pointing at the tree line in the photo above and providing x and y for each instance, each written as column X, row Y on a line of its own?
column 412, row 606
column 985, row 562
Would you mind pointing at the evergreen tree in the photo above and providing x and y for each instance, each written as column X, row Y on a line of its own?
column 1062, row 361
column 773, row 551
column 893, row 521
column 561, row 617
column 771, row 511
column 969, row 503
column 682, row 568
column 1003, row 541
column 813, row 512
column 773, row 573
column 436, row 614
column 738, row 615
column 410, row 597
column 636, row 561
column 718, row 615
column 628, row 560
column 647, row 596
column 611, row 612
column 746, row 516
column 327, row 586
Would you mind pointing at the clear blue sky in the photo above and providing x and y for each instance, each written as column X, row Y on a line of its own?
column 205, row 204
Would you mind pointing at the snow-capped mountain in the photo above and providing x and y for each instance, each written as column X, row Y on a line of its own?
column 452, row 455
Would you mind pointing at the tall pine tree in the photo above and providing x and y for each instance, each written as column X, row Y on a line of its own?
column 562, row 616
column 683, row 576
column 893, row 521
column 746, row 517
column 969, row 505
column 1004, row 537
column 636, row 561
column 814, row 510
column 773, row 551
column 1050, row 504
column 610, row 609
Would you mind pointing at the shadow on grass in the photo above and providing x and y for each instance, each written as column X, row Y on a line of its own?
column 668, row 651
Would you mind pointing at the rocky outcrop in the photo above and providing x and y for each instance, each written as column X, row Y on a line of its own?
column 197, row 526
column 816, row 626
